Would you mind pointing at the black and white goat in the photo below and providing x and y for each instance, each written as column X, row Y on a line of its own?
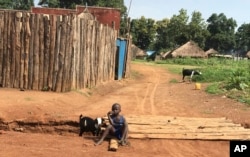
column 190, row 73
column 88, row 124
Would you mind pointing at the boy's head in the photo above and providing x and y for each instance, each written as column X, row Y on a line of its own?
column 116, row 108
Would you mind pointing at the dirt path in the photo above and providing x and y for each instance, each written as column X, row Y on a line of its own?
column 151, row 93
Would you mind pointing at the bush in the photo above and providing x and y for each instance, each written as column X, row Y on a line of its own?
column 239, row 79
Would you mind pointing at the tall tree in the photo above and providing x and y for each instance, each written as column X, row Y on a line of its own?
column 177, row 29
column 162, row 37
column 197, row 29
column 143, row 31
column 222, row 33
column 243, row 38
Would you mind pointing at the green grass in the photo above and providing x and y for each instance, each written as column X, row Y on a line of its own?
column 214, row 88
column 224, row 76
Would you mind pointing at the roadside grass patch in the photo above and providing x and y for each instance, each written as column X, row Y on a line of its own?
column 214, row 88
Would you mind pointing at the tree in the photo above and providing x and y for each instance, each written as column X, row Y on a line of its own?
column 197, row 29
column 177, row 29
column 162, row 38
column 62, row 3
column 222, row 34
column 143, row 31
column 243, row 38
column 16, row 4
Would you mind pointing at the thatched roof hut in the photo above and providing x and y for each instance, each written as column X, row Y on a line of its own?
column 166, row 54
column 248, row 54
column 211, row 52
column 137, row 52
column 190, row 49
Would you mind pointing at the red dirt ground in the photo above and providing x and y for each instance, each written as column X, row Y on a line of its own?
column 149, row 93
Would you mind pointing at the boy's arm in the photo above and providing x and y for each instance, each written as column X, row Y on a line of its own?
column 109, row 117
column 125, row 131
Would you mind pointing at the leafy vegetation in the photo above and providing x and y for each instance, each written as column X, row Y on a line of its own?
column 217, row 32
column 16, row 4
column 228, row 77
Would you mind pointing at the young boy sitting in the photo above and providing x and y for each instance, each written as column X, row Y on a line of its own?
column 118, row 126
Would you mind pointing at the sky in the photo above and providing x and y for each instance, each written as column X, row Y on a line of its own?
column 239, row 10
column 36, row 2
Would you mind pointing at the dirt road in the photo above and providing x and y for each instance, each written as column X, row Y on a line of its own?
column 148, row 92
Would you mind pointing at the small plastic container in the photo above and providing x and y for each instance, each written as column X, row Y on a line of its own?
column 197, row 86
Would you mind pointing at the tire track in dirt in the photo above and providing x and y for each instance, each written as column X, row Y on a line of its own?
column 156, row 80
column 147, row 103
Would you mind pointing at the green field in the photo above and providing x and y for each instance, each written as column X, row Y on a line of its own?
column 227, row 77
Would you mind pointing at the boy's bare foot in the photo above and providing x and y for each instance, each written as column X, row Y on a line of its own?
column 124, row 143
column 98, row 143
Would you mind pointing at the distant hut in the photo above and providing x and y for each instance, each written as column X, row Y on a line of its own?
column 190, row 49
column 166, row 55
column 248, row 55
column 223, row 56
column 138, row 53
column 211, row 52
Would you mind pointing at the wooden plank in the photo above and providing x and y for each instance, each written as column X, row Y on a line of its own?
column 92, row 55
column 66, row 67
column 61, row 54
column 22, row 53
column 87, row 54
column 46, row 61
column 175, row 117
column 57, row 49
column 183, row 129
column 41, row 53
column 31, row 52
column 168, row 127
column 71, row 53
column 144, row 120
column 128, row 57
column 80, row 60
column 84, row 56
column 99, row 49
column 27, row 36
column 96, row 59
column 14, row 52
column 113, row 144
column 35, row 79
column 9, row 19
column 179, row 120
column 194, row 136
column 75, row 53
column 52, row 49
column 1, row 46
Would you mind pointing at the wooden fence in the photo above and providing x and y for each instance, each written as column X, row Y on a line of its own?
column 60, row 53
